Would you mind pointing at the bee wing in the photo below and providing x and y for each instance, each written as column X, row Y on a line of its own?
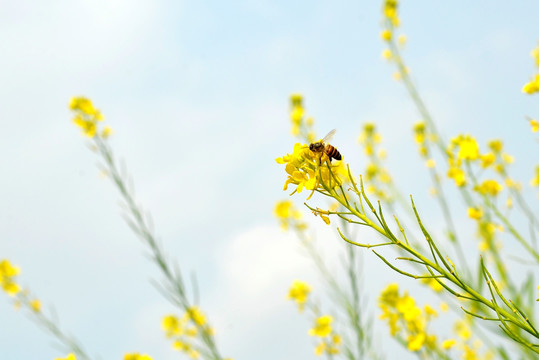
column 329, row 136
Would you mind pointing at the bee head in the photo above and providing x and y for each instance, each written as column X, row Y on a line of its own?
column 317, row 146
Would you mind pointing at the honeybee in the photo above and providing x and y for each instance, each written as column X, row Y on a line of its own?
column 329, row 150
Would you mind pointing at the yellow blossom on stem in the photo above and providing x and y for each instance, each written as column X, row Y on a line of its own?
column 448, row 344
column 535, row 181
column 299, row 292
column 86, row 117
column 532, row 86
column 535, row 125
column 402, row 39
column 8, row 273
column 433, row 284
column 385, row 35
column 468, row 149
column 322, row 326
column 496, row 146
column 171, row 325
column 387, row 54
column 462, row 328
column 489, row 187
column 475, row 213
column 196, row 315
column 68, row 357
column 487, row 159
column 35, row 305
column 458, row 175
column 137, row 356
column 444, row 307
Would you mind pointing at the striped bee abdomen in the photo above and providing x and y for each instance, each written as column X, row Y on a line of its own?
column 332, row 152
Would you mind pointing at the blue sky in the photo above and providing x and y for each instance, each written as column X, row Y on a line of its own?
column 197, row 93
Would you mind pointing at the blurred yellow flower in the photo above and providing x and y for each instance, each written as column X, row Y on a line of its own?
column 489, row 187
column 534, row 124
column 475, row 213
column 385, row 35
column 196, row 315
column 298, row 292
column 35, row 305
column 448, row 344
column 137, row 356
column 322, row 326
column 68, row 357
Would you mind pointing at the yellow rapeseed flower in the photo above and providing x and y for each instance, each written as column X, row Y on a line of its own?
column 462, row 328
column 35, row 305
column 468, row 147
column 68, row 357
column 475, row 213
column 496, row 146
column 172, row 326
column 386, row 35
column 444, row 307
column 322, row 326
column 402, row 39
column 137, row 356
column 448, row 344
column 387, row 54
column 458, row 175
column 487, row 159
column 320, row 348
column 296, row 115
column 86, row 116
column 532, row 86
column 195, row 314
column 298, row 292
column 284, row 209
column 296, row 99
column 7, row 270
column 416, row 341
column 534, row 124
column 489, row 187
column 433, row 284
column 535, row 181
column 389, row 295
column 8, row 273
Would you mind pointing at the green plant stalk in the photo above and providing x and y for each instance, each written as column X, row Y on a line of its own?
column 447, row 271
column 71, row 344
column 173, row 289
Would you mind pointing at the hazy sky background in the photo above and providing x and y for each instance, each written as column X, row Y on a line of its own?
column 197, row 93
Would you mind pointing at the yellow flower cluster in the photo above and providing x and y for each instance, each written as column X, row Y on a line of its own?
column 390, row 11
column 68, row 357
column 390, row 22
column 184, row 330
column 330, row 342
column 489, row 187
column 376, row 177
column 534, row 124
column 535, row 181
column 304, row 170
column 465, row 148
column 369, row 138
column 87, row 117
column 137, row 356
column 532, row 86
column 301, row 126
column 406, row 319
column 299, row 292
column 288, row 215
column 8, row 273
